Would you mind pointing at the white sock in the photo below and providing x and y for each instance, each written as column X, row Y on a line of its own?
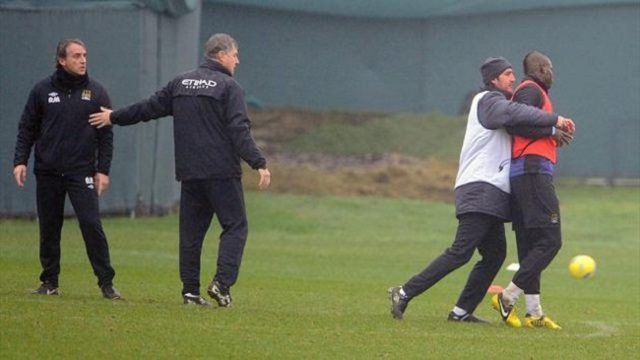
column 459, row 312
column 511, row 293
column 533, row 305
column 402, row 292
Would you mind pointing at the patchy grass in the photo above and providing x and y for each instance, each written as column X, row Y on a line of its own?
column 396, row 177
column 354, row 154
column 420, row 136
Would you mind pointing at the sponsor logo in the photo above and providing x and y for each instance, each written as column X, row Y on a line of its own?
column 503, row 311
column 198, row 83
column 54, row 98
column 86, row 94
column 89, row 181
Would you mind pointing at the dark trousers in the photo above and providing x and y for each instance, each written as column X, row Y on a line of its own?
column 475, row 231
column 51, row 191
column 199, row 201
column 536, row 221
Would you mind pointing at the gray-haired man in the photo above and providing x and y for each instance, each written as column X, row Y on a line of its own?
column 211, row 135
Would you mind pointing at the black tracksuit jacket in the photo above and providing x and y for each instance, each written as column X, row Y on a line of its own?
column 210, row 123
column 55, row 119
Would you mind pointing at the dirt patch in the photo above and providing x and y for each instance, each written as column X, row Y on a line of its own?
column 386, row 175
column 274, row 127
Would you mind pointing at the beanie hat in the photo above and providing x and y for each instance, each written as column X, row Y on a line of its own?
column 493, row 67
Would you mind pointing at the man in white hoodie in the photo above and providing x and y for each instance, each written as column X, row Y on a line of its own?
column 481, row 192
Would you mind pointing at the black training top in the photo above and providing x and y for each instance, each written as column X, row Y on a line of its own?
column 212, row 131
column 55, row 119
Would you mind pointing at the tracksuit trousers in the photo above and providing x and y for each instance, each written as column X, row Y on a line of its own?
column 475, row 231
column 51, row 191
column 536, row 221
column 200, row 200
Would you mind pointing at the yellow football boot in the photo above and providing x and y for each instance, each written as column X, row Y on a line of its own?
column 508, row 313
column 540, row 322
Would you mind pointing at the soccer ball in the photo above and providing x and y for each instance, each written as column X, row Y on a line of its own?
column 582, row 267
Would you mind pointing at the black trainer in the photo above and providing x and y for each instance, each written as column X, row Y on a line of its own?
column 398, row 302
column 46, row 288
column 191, row 299
column 111, row 293
column 466, row 318
column 220, row 294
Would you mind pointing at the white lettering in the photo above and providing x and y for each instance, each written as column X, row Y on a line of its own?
column 198, row 83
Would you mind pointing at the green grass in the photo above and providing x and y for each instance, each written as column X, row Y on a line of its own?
column 411, row 134
column 313, row 285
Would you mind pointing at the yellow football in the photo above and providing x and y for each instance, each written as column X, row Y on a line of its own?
column 582, row 267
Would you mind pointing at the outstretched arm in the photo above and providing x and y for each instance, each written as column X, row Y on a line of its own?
column 562, row 137
column 531, row 95
column 157, row 106
column 101, row 119
column 495, row 111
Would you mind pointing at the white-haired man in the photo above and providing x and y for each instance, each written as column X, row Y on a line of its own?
column 212, row 133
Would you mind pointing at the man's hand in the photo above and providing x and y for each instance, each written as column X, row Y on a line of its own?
column 102, row 182
column 566, row 124
column 101, row 119
column 265, row 178
column 562, row 137
column 20, row 174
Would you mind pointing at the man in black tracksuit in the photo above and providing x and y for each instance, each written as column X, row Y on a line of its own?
column 211, row 135
column 71, row 157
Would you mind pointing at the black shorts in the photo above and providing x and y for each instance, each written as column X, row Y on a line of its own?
column 533, row 202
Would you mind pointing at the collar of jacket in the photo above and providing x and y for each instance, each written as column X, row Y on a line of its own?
column 493, row 88
column 215, row 66
column 537, row 81
column 67, row 81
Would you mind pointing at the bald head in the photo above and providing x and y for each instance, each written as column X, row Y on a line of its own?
column 539, row 66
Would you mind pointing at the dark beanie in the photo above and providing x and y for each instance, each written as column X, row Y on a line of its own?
column 493, row 67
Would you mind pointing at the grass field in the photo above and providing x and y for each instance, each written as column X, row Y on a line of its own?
column 313, row 286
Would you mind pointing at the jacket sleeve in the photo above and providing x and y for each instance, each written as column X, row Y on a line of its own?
column 105, row 140
column 239, row 127
column 495, row 111
column 529, row 95
column 531, row 132
column 157, row 106
column 28, row 129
